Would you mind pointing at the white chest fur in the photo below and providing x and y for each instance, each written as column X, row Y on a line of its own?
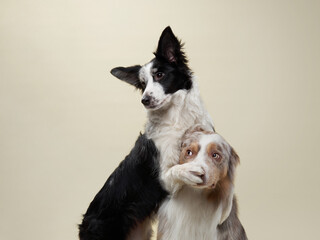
column 190, row 215
column 166, row 128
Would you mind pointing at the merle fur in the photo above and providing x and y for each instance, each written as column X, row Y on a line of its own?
column 131, row 194
column 232, row 228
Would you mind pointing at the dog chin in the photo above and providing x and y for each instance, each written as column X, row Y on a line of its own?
column 157, row 106
column 152, row 107
column 209, row 186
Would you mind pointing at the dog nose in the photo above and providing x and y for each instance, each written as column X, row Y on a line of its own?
column 146, row 100
column 202, row 177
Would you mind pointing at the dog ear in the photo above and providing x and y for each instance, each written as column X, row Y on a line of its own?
column 170, row 48
column 129, row 75
column 234, row 157
column 234, row 161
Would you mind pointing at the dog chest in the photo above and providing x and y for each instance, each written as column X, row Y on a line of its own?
column 189, row 216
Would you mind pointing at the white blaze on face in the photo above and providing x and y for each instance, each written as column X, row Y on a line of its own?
column 203, row 159
column 153, row 89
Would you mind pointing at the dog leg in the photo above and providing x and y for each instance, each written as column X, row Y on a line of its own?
column 143, row 231
column 185, row 174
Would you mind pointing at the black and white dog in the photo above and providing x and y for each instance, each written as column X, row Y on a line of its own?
column 124, row 207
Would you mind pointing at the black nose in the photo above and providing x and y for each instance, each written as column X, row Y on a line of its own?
column 146, row 100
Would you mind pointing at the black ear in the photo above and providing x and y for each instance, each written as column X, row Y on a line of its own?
column 169, row 47
column 129, row 75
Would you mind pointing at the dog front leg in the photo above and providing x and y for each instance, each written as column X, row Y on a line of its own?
column 178, row 175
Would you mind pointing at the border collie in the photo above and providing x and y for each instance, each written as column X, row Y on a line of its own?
column 125, row 205
column 205, row 207
column 173, row 103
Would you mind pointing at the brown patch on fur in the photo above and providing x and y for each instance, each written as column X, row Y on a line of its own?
column 193, row 134
column 235, row 156
column 142, row 231
column 217, row 187
column 221, row 190
column 218, row 165
column 234, row 161
column 200, row 129
column 184, row 157
column 159, row 235
column 214, row 148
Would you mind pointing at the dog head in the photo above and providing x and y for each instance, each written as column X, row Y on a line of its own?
column 163, row 76
column 213, row 154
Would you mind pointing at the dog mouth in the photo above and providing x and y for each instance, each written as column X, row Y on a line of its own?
column 155, row 105
column 151, row 107
column 206, row 186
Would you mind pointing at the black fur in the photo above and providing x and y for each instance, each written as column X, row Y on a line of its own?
column 131, row 194
column 129, row 75
column 170, row 59
column 174, row 79
column 170, row 48
column 133, row 191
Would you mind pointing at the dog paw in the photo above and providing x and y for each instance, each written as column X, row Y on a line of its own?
column 191, row 174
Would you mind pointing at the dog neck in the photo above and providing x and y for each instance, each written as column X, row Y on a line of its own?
column 201, row 210
column 222, row 196
column 184, row 110
column 218, row 199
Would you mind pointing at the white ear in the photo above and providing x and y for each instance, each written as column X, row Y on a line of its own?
column 226, row 209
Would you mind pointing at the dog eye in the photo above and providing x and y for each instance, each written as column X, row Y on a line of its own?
column 216, row 156
column 158, row 76
column 189, row 152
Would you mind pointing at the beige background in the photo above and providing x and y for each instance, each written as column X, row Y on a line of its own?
column 66, row 123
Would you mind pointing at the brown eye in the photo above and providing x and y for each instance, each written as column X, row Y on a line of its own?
column 216, row 156
column 158, row 76
column 189, row 152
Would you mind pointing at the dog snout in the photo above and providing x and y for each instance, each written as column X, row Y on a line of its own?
column 203, row 177
column 146, row 100
column 200, row 174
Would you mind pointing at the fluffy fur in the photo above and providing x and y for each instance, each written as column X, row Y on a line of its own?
column 172, row 99
column 171, row 96
column 205, row 208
